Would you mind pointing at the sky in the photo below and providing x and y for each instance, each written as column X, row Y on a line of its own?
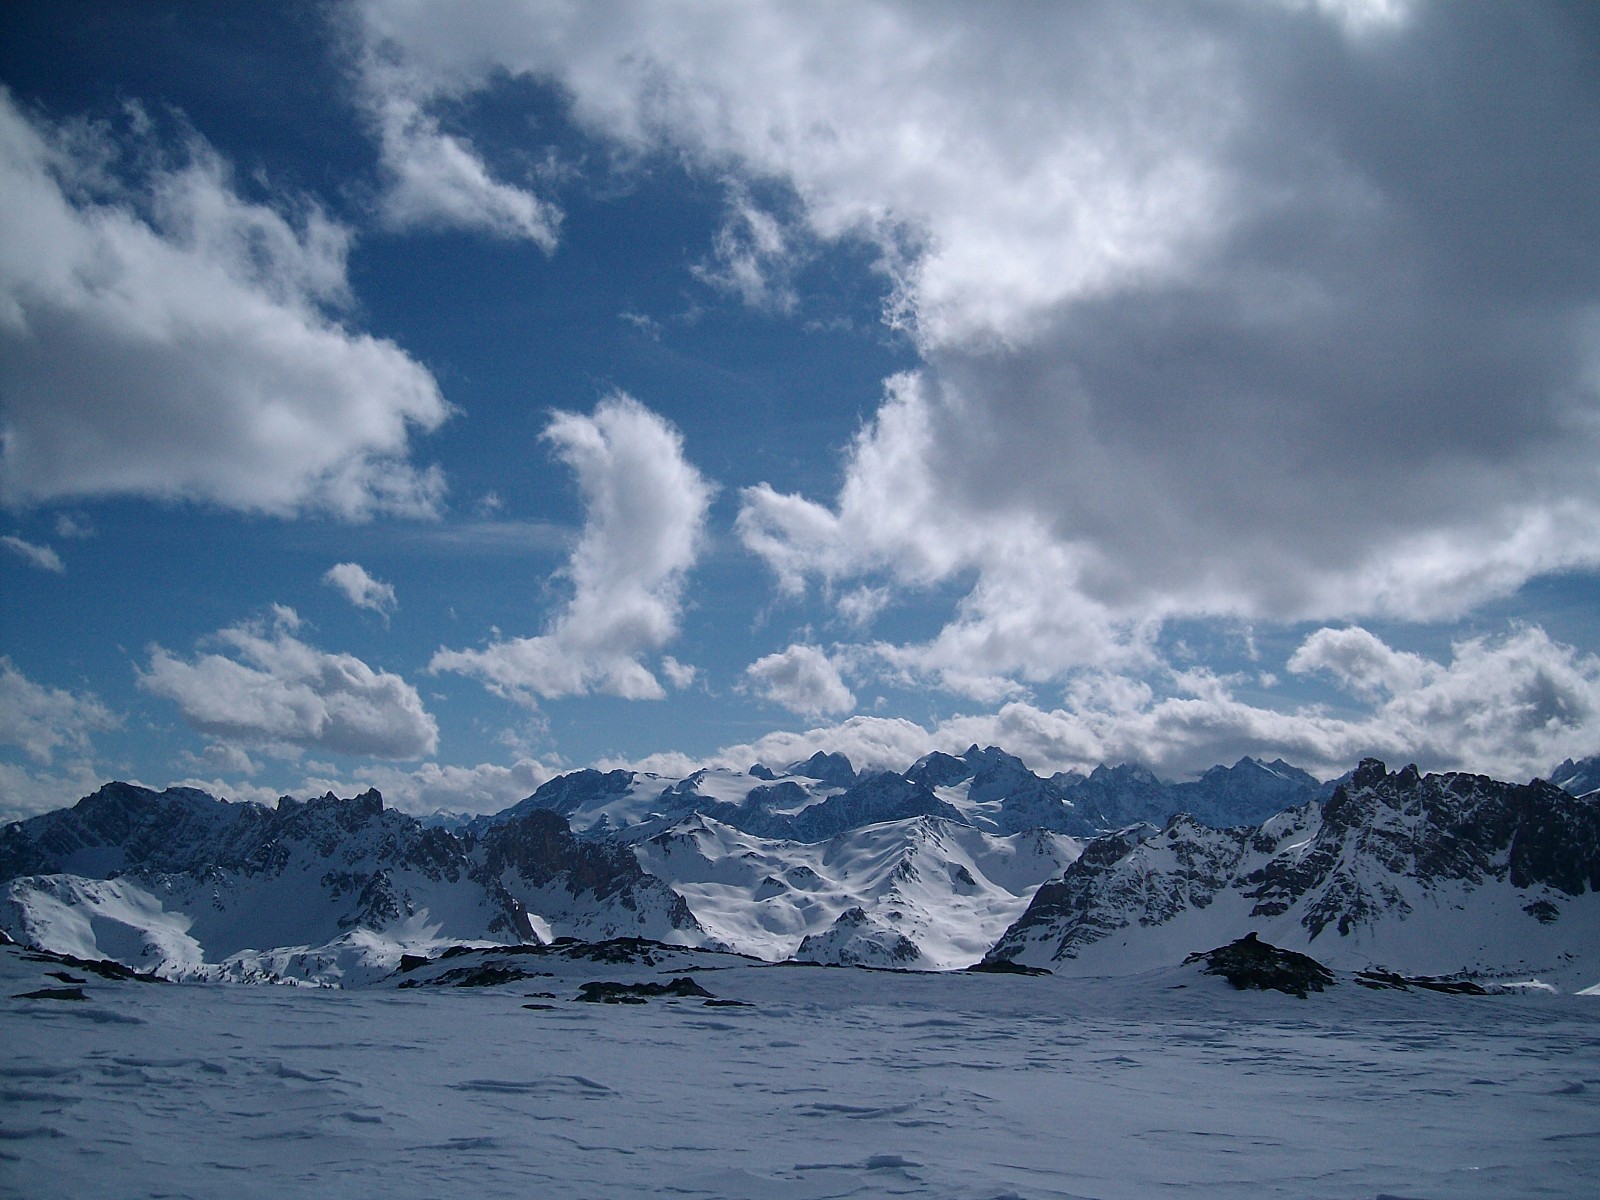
column 442, row 397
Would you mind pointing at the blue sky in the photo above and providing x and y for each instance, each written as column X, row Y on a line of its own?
column 442, row 397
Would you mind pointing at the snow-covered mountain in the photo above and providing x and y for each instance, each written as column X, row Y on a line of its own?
column 190, row 885
column 1581, row 778
column 926, row 892
column 986, row 788
column 928, row 868
column 1428, row 874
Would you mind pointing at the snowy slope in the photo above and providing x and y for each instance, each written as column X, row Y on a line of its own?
column 1434, row 875
column 920, row 892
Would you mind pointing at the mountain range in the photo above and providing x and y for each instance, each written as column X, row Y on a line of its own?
column 955, row 860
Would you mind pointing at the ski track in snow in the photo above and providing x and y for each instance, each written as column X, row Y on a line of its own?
column 834, row 1083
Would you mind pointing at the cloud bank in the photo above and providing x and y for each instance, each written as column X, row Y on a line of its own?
column 1272, row 312
column 1513, row 707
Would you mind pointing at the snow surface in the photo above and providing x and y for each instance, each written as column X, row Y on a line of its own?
column 834, row 1082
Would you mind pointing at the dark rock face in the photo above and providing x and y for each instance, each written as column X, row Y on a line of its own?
column 1250, row 963
column 123, row 825
column 608, row 992
column 1342, row 866
column 539, row 849
column 1246, row 793
column 828, row 768
column 1390, row 981
column 61, row 993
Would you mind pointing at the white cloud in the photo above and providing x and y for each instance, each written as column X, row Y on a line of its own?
column 643, row 527
column 221, row 757
column 69, row 526
column 1218, row 309
column 752, row 257
column 679, row 675
column 43, row 557
column 1511, row 707
column 270, row 690
column 167, row 338
column 802, row 679
column 26, row 792
column 1361, row 662
column 428, row 788
column 41, row 720
column 436, row 181
column 361, row 589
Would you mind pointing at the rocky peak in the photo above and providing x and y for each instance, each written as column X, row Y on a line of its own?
column 833, row 769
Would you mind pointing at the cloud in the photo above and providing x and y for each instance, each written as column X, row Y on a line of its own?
column 70, row 526
column 270, row 690
column 425, row 789
column 162, row 337
column 752, row 257
column 1360, row 662
column 802, row 679
column 1279, row 313
column 1512, row 707
column 645, row 512
column 362, row 589
column 679, row 675
column 42, row 557
column 42, row 720
column 26, row 792
column 436, row 181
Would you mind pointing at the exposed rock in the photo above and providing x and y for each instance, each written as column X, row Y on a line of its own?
column 1251, row 963
column 608, row 992
column 61, row 993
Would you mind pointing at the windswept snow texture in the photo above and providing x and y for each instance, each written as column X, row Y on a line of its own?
column 1437, row 874
column 831, row 1083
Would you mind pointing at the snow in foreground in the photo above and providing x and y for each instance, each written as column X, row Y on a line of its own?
column 831, row 1082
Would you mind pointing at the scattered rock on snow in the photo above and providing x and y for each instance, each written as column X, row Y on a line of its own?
column 1251, row 963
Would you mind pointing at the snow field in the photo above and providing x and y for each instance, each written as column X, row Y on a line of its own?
column 832, row 1083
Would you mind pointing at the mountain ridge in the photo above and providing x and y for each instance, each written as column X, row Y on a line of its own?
column 956, row 860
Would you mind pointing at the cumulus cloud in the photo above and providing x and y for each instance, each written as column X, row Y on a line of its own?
column 28, row 791
column 161, row 336
column 362, row 589
column 267, row 689
column 43, row 557
column 1274, row 312
column 435, row 180
column 41, row 720
column 1512, row 707
column 421, row 790
column 645, row 512
column 803, row 679
column 679, row 675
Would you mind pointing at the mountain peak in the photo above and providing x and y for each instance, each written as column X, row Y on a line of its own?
column 828, row 768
